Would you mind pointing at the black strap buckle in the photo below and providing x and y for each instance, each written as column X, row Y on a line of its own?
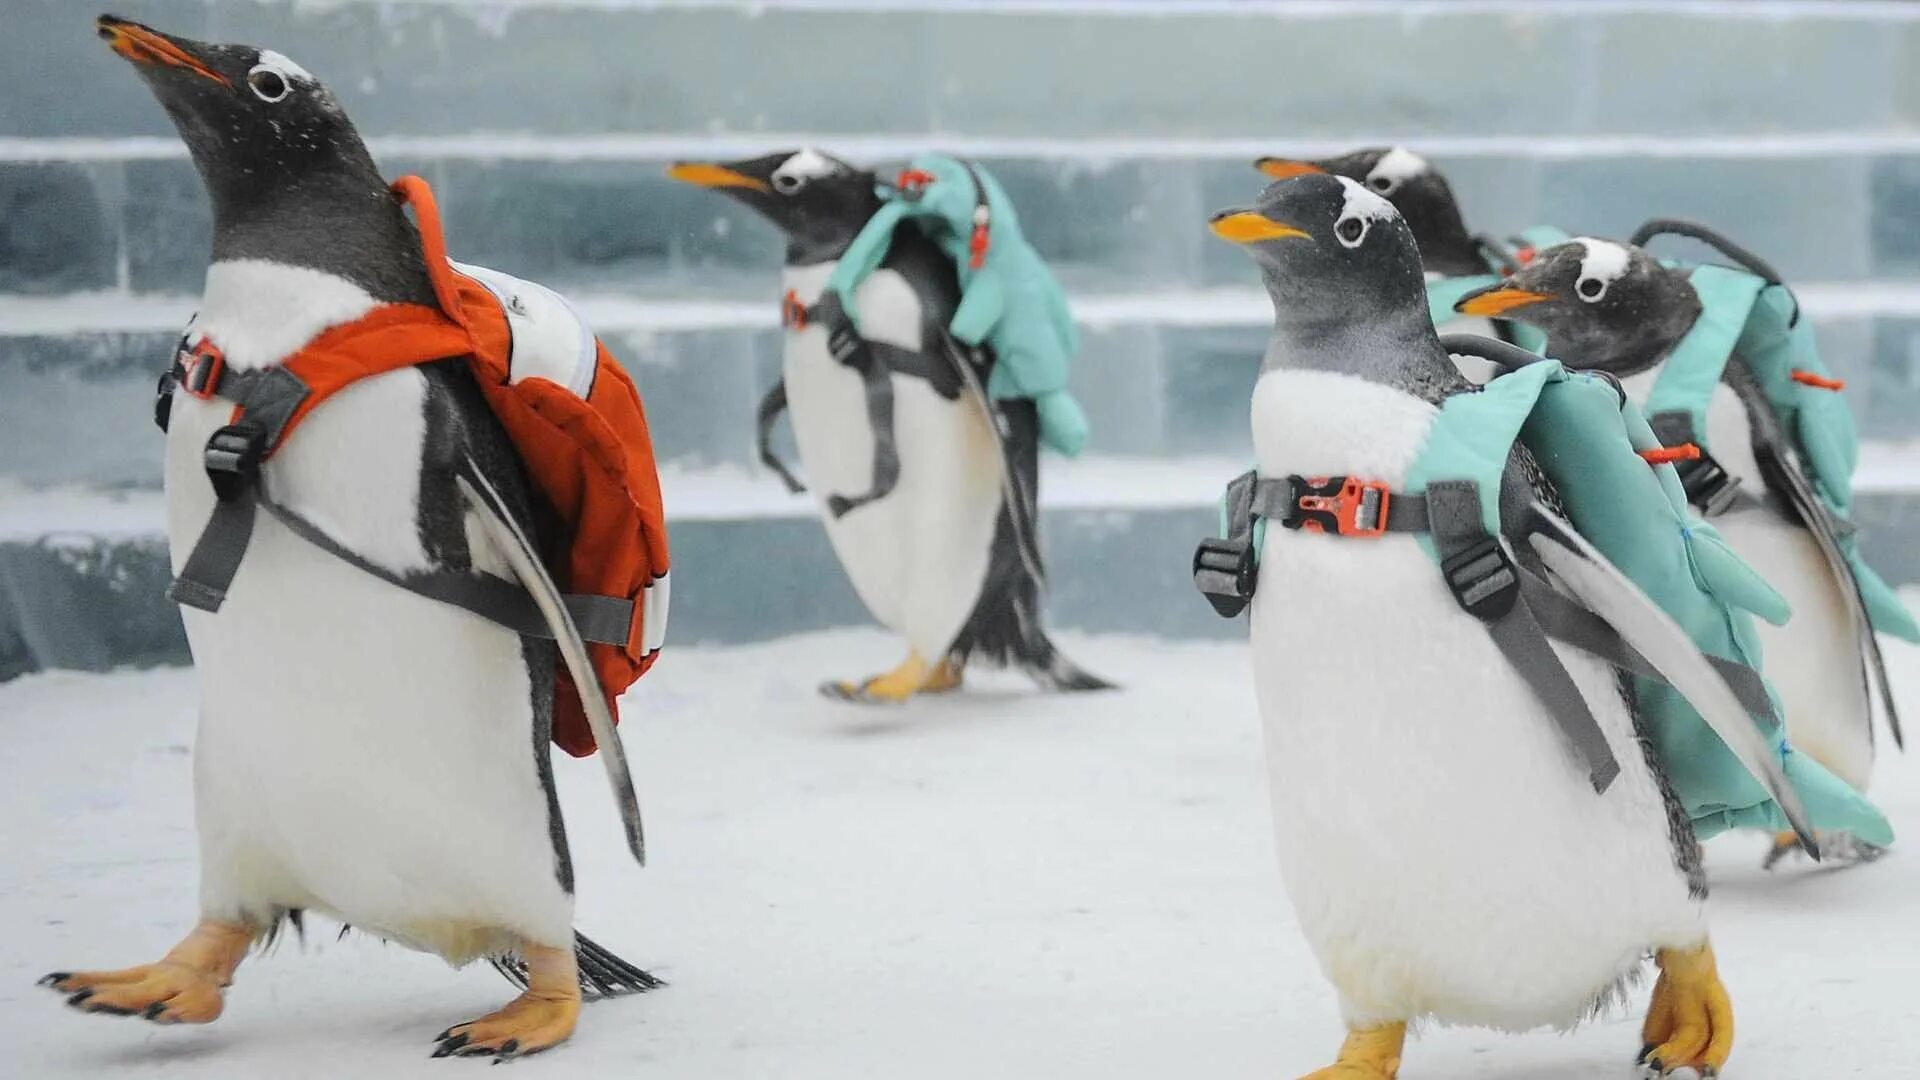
column 1225, row 573
column 1483, row 578
column 163, row 397
column 1708, row 485
column 233, row 457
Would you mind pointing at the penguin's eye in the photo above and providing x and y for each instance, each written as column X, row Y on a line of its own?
column 267, row 84
column 1350, row 231
column 788, row 183
column 1383, row 184
column 1590, row 289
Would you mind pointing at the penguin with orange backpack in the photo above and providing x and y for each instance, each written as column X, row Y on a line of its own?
column 383, row 469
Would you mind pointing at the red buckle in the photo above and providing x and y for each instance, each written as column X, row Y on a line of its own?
column 1525, row 255
column 1359, row 508
column 793, row 313
column 202, row 367
column 912, row 182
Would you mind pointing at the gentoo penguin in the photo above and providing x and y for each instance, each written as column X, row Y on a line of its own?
column 1408, row 761
column 949, row 558
column 1613, row 307
column 1427, row 204
column 363, row 751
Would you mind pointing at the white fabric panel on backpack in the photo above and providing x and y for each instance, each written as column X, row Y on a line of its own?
column 550, row 339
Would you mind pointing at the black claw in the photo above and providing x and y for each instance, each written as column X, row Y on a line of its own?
column 155, row 1010
column 448, row 1046
column 507, row 1048
column 80, row 998
column 477, row 1050
column 444, row 1036
column 54, row 979
column 1641, row 1057
column 1657, row 1065
column 110, row 1010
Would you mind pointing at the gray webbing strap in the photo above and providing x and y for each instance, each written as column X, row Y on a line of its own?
column 209, row 570
column 771, row 407
column 604, row 620
column 1565, row 620
column 1459, row 532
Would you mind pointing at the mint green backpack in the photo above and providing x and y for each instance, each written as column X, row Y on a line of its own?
column 1598, row 450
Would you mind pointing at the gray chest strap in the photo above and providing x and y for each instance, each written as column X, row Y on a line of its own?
column 233, row 459
column 1522, row 611
column 1709, row 486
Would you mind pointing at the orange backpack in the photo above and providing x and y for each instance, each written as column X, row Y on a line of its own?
column 569, row 408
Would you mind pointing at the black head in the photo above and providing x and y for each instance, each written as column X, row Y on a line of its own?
column 1345, row 279
column 820, row 202
column 289, row 177
column 1602, row 304
column 1418, row 190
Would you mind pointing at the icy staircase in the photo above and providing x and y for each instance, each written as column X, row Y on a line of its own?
column 545, row 126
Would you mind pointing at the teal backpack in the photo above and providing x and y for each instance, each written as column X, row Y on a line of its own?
column 1750, row 312
column 1009, row 299
column 1444, row 292
column 1600, row 454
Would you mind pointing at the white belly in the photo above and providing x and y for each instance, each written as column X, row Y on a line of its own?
column 362, row 751
column 918, row 557
column 1814, row 660
column 1445, row 852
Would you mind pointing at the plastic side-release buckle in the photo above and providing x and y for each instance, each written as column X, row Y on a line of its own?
column 913, row 183
column 1225, row 573
column 163, row 398
column 1708, row 485
column 1483, row 579
column 1344, row 505
column 201, row 369
column 233, row 457
column 793, row 313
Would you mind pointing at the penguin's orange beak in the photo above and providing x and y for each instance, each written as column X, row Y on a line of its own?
column 707, row 174
column 1498, row 301
column 145, row 46
column 1286, row 168
column 1251, row 227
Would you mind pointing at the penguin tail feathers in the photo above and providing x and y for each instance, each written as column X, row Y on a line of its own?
column 1052, row 670
column 602, row 974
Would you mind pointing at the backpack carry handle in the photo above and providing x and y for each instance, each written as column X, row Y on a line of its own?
column 1710, row 237
column 1493, row 350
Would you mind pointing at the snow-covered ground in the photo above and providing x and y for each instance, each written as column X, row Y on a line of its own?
column 992, row 885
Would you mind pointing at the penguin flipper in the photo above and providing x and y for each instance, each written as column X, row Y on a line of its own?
column 1587, row 574
column 491, row 511
column 1783, row 477
column 602, row 974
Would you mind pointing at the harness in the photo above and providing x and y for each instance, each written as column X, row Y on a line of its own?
column 571, row 412
column 1521, row 611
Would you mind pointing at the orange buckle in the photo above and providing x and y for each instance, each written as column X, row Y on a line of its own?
column 1343, row 505
column 202, row 366
column 913, row 182
column 793, row 313
column 1817, row 380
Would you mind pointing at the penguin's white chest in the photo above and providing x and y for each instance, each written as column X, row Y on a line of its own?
column 362, row 751
column 1445, row 853
column 919, row 556
column 1814, row 660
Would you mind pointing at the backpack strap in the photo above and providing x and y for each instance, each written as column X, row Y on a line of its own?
column 1709, row 486
column 771, row 407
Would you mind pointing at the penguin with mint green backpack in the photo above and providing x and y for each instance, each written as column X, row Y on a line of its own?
column 1456, row 260
column 1724, row 363
column 1475, row 616
column 917, row 420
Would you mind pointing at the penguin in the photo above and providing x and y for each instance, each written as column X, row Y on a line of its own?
column 941, row 560
column 1613, row 307
column 363, row 752
column 1408, row 760
column 1427, row 204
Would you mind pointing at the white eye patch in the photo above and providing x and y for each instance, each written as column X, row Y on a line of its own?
column 273, row 75
column 283, row 66
column 1601, row 265
column 1394, row 168
column 808, row 164
column 1358, row 213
